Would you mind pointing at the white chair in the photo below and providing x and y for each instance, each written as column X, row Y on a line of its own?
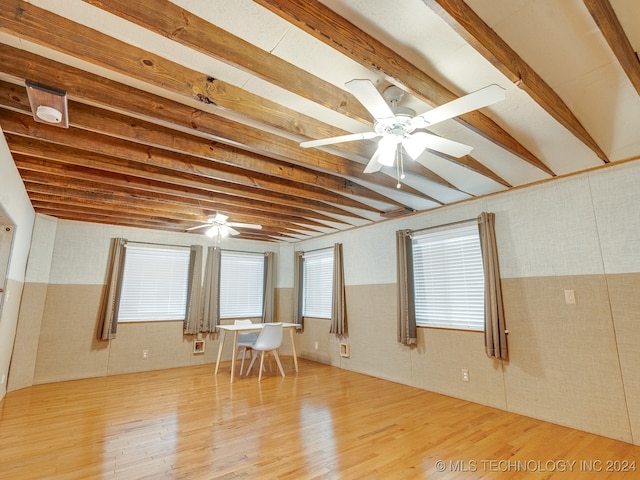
column 268, row 341
column 245, row 341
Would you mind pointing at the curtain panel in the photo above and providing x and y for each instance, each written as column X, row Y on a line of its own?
column 495, row 334
column 211, row 295
column 268, row 304
column 193, row 315
column 407, row 331
column 298, row 261
column 338, row 301
column 115, row 270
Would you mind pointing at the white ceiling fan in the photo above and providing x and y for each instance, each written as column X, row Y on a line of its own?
column 400, row 126
column 217, row 226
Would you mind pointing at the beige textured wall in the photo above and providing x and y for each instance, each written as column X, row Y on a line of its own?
column 8, row 319
column 565, row 360
column 68, row 347
column 625, row 308
column 23, row 362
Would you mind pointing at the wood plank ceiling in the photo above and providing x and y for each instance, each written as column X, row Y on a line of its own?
column 178, row 110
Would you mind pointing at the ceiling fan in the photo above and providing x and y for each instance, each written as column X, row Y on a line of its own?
column 400, row 126
column 218, row 226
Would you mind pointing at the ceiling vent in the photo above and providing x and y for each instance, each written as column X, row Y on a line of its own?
column 48, row 104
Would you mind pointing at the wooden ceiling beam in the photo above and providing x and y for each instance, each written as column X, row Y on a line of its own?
column 58, row 209
column 72, row 172
column 487, row 42
column 180, row 150
column 27, row 21
column 175, row 164
column 171, row 21
column 142, row 211
column 608, row 23
column 111, row 220
column 155, row 225
column 75, row 156
column 324, row 24
column 103, row 163
column 87, row 88
column 100, row 216
column 86, row 192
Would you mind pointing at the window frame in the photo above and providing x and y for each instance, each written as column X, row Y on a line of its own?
column 248, row 284
column 158, row 284
column 320, row 305
column 450, row 275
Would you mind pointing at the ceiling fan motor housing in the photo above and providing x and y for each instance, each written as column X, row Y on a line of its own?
column 400, row 126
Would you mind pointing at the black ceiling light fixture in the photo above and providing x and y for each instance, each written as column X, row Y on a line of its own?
column 48, row 104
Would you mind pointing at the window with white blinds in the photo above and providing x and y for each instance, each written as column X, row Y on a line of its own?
column 317, row 284
column 449, row 279
column 241, row 284
column 155, row 283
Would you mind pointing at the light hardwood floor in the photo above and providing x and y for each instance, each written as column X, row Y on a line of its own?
column 323, row 423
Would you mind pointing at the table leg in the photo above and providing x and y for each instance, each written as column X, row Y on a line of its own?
column 293, row 349
column 224, row 334
column 235, row 354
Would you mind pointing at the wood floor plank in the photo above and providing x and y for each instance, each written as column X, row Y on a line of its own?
column 322, row 423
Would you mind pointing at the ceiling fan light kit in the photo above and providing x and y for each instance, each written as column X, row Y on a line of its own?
column 397, row 125
column 218, row 227
column 215, row 231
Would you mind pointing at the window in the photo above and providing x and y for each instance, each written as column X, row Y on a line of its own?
column 241, row 284
column 317, row 284
column 154, row 284
column 448, row 278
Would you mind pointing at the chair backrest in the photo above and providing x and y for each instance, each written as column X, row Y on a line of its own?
column 248, row 337
column 270, row 337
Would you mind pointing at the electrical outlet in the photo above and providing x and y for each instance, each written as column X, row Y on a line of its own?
column 315, row 345
column 4, row 377
column 145, row 353
column 465, row 375
column 570, row 297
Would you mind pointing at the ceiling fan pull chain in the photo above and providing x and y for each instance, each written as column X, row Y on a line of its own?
column 399, row 167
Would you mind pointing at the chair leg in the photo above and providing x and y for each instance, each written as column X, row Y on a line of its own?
column 261, row 365
column 275, row 354
column 254, row 355
column 244, row 355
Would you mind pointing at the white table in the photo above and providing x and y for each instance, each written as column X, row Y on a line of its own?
column 255, row 327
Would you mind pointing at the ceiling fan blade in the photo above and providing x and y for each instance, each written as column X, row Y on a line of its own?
column 473, row 101
column 204, row 225
column 245, row 225
column 373, row 165
column 231, row 230
column 368, row 95
column 419, row 141
column 343, row 138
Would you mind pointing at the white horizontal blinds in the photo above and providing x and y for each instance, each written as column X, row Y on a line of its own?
column 241, row 284
column 155, row 284
column 449, row 280
column 317, row 283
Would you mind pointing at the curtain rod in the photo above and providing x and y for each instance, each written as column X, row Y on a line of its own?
column 242, row 251
column 159, row 244
column 445, row 225
column 189, row 246
column 314, row 250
